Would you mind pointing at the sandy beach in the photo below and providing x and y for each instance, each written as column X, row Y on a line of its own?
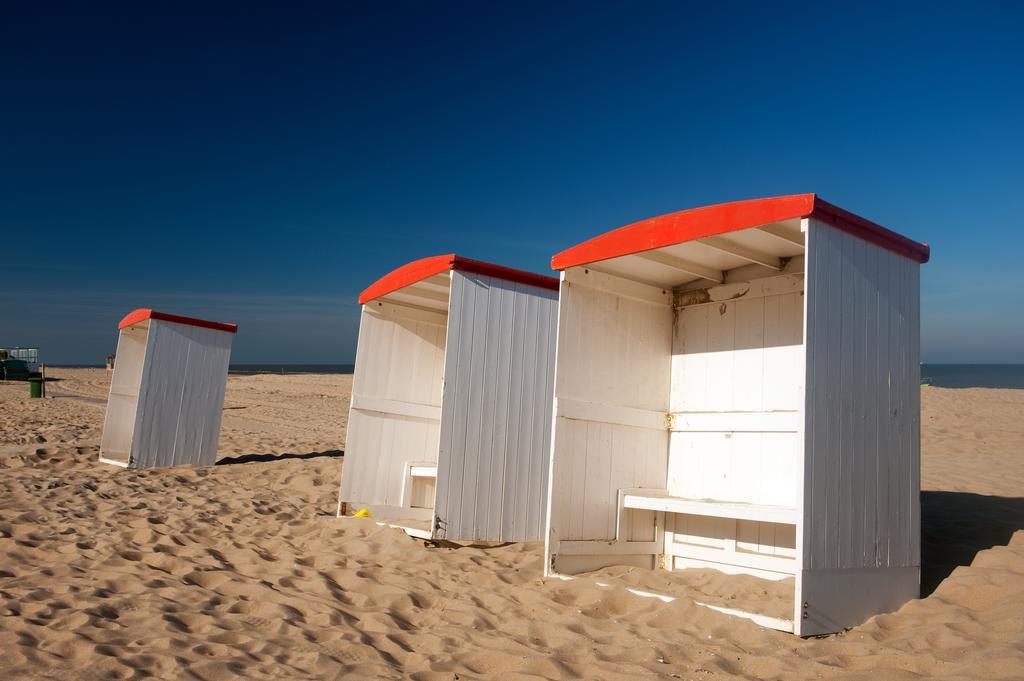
column 241, row 570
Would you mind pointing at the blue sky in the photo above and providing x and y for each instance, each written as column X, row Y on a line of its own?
column 262, row 164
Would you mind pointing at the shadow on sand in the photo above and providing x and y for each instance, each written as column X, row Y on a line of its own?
column 957, row 525
column 266, row 458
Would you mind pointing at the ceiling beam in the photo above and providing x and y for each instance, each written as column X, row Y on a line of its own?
column 417, row 291
column 690, row 267
column 421, row 299
column 397, row 298
column 780, row 232
column 439, row 282
column 742, row 252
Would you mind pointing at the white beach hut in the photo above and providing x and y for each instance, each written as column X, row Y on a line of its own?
column 737, row 388
column 449, row 426
column 167, row 391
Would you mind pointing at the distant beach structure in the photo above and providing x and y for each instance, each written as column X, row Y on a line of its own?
column 737, row 388
column 451, row 401
column 18, row 363
column 167, row 391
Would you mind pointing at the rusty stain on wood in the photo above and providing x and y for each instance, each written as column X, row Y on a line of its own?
column 698, row 297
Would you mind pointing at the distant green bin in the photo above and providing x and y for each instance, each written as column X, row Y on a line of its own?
column 35, row 387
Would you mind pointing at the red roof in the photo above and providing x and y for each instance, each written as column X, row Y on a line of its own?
column 142, row 314
column 697, row 223
column 418, row 270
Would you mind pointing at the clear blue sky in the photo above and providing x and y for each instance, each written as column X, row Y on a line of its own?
column 263, row 164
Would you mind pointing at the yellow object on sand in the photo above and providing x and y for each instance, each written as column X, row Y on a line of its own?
column 362, row 513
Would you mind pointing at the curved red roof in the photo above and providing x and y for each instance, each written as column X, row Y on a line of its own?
column 418, row 270
column 142, row 314
column 697, row 223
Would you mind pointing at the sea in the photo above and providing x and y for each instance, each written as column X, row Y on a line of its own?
column 941, row 375
column 291, row 368
column 973, row 375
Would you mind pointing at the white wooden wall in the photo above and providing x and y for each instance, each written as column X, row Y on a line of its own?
column 396, row 402
column 181, row 397
column 123, row 398
column 611, row 401
column 736, row 401
column 860, row 533
column 496, row 414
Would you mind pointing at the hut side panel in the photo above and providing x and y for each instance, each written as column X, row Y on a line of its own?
column 182, row 395
column 861, row 510
column 202, row 403
column 396, row 403
column 611, row 401
column 496, row 418
column 123, row 400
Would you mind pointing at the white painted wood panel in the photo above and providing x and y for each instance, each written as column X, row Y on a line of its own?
column 737, row 378
column 202, row 399
column 754, row 468
column 830, row 600
column 396, row 401
column 861, row 461
column 735, row 544
column 612, row 382
column 180, row 395
column 739, row 355
column 123, row 400
column 496, row 413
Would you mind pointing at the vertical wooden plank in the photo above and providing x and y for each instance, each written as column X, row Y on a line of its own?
column 379, row 487
column 748, row 389
column 486, row 503
column 475, row 329
column 578, row 473
column 721, row 376
column 748, row 536
column 528, row 492
column 870, row 452
column 778, row 469
column 846, row 393
column 777, row 372
column 689, row 384
column 491, row 505
column 746, row 475
column 818, row 404
column 914, row 386
column 680, row 470
column 452, row 426
column 884, row 412
column 899, row 499
column 792, row 312
column 542, row 389
column 518, row 405
column 834, row 390
column 595, row 483
column 717, row 458
column 896, row 371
